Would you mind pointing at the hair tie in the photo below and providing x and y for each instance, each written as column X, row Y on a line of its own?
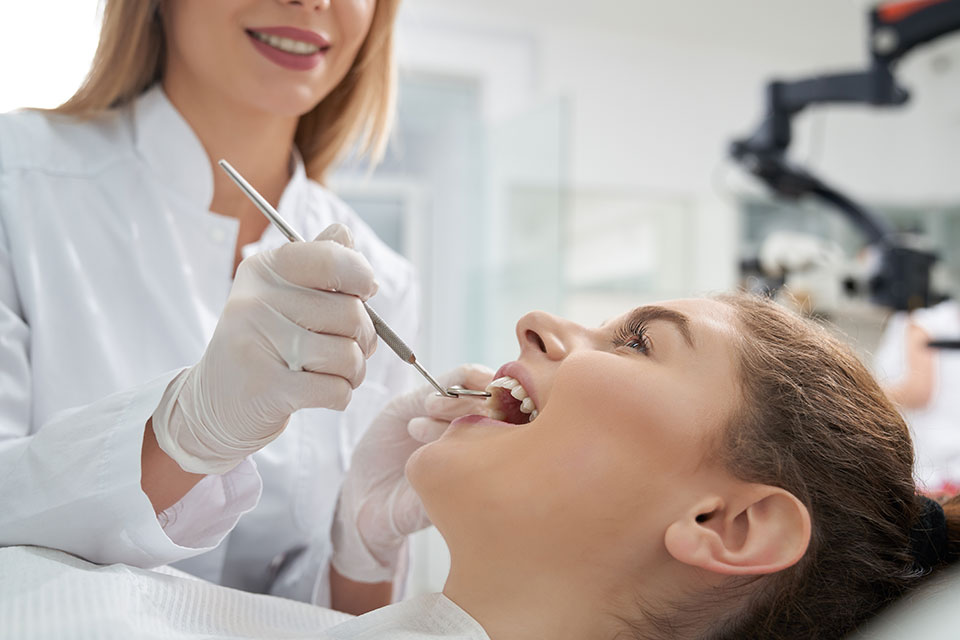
column 928, row 538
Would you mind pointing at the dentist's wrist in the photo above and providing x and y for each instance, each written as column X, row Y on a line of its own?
column 188, row 432
column 354, row 558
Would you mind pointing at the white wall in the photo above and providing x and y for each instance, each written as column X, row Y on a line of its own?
column 658, row 90
column 45, row 50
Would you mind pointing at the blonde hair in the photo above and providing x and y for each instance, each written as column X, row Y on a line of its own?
column 130, row 55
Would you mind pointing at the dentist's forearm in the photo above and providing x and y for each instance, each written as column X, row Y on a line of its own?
column 161, row 478
column 916, row 388
column 357, row 598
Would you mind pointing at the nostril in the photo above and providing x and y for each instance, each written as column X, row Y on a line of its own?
column 534, row 338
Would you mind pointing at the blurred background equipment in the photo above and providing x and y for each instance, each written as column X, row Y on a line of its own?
column 914, row 353
column 901, row 277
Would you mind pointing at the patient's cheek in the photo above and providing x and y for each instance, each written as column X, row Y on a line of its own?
column 624, row 415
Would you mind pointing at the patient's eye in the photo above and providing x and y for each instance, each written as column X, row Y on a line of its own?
column 632, row 335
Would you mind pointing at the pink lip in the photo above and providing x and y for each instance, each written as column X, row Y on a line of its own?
column 463, row 421
column 293, row 61
column 518, row 371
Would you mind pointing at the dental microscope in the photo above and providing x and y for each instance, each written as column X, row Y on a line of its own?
column 901, row 277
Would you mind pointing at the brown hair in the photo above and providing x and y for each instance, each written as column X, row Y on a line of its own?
column 814, row 422
column 129, row 59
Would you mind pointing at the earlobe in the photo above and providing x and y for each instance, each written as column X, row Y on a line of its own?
column 764, row 530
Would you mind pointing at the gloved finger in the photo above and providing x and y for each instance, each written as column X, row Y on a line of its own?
column 325, row 312
column 317, row 390
column 441, row 408
column 426, row 430
column 469, row 376
column 425, row 401
column 339, row 233
column 324, row 265
column 444, row 408
column 324, row 353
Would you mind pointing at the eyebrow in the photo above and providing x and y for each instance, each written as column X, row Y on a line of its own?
column 650, row 313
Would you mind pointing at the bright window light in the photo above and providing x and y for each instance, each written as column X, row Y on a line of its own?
column 45, row 50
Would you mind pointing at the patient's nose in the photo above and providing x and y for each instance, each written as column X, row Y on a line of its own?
column 546, row 334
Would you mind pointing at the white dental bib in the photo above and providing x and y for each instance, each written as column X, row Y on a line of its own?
column 429, row 617
column 51, row 594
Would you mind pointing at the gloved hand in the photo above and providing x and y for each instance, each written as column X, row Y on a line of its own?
column 378, row 508
column 293, row 334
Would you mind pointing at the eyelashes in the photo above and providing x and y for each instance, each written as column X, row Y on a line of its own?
column 633, row 335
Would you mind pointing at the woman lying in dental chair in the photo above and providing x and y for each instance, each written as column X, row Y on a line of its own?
column 695, row 469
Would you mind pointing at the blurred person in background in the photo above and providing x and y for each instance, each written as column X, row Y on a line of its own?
column 925, row 383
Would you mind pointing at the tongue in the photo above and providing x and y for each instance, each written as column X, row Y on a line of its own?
column 510, row 407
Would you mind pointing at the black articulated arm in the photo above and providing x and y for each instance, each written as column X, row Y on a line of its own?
column 895, row 29
column 898, row 27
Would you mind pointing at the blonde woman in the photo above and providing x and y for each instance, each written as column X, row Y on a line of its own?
column 175, row 377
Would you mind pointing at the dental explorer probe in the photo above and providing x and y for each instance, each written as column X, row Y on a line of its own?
column 383, row 330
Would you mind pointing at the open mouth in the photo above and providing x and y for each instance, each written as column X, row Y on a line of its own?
column 288, row 45
column 510, row 402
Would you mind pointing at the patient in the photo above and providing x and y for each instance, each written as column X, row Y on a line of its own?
column 715, row 469
column 696, row 469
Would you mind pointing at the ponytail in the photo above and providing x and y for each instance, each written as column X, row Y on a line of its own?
column 951, row 511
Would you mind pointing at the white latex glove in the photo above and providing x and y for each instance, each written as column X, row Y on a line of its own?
column 378, row 508
column 293, row 334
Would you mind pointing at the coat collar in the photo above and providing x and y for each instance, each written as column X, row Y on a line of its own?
column 171, row 149
column 174, row 154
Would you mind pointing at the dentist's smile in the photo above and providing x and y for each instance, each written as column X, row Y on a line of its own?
column 289, row 47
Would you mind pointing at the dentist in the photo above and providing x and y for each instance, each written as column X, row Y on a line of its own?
column 175, row 376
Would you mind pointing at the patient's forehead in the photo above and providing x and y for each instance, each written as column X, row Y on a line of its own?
column 703, row 313
column 710, row 314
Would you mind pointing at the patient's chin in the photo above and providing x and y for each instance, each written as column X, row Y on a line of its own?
column 448, row 477
column 442, row 460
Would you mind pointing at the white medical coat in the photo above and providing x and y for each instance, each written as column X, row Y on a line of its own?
column 119, row 603
column 936, row 427
column 113, row 273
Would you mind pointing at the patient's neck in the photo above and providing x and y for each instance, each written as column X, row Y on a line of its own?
column 514, row 602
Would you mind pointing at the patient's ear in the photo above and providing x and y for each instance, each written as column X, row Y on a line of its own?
column 761, row 530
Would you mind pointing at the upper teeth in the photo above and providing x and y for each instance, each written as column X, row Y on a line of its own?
column 517, row 391
column 287, row 44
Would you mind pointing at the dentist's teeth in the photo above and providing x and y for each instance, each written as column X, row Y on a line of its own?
column 533, row 415
column 518, row 392
column 527, row 405
column 287, row 44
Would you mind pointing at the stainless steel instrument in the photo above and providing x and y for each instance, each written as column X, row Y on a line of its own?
column 383, row 330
